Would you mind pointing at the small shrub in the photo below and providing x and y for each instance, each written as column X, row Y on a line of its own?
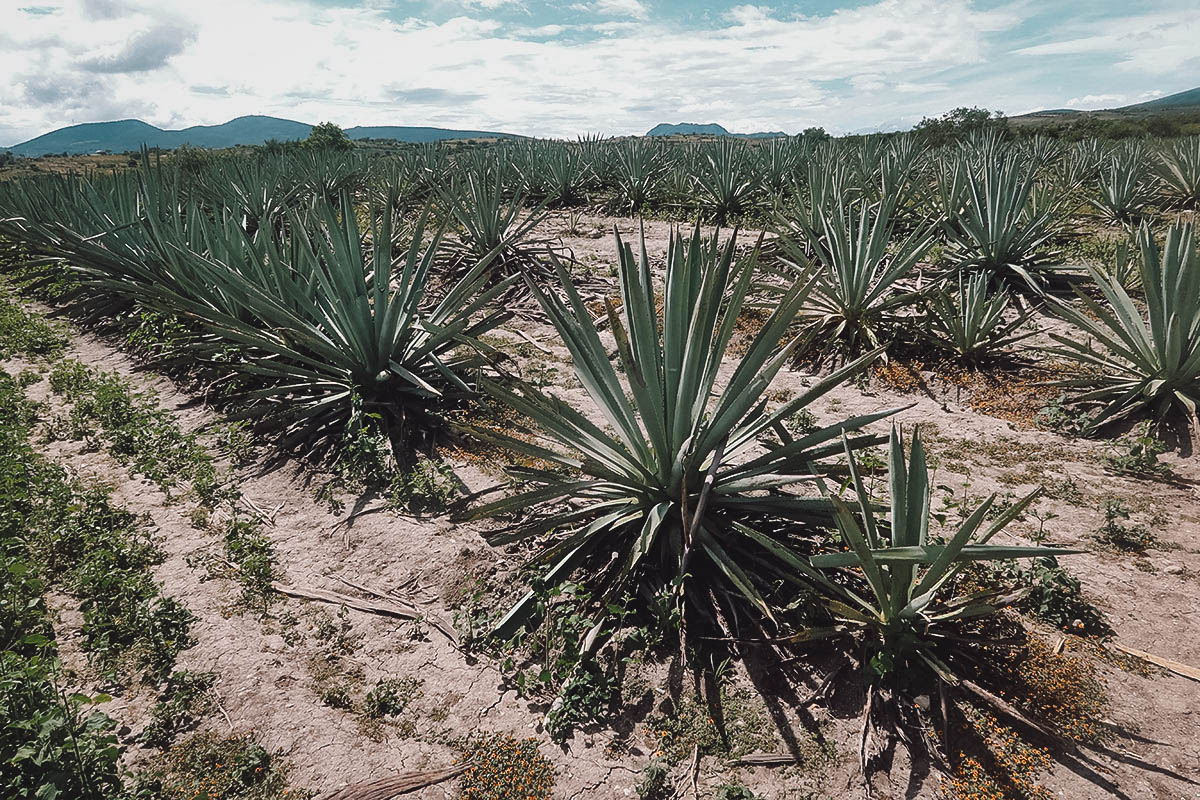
column 391, row 696
column 1114, row 533
column 1137, row 456
column 153, row 334
column 901, row 377
column 427, row 487
column 1058, row 416
column 180, row 706
column 734, row 792
column 1007, row 767
column 654, row 783
column 553, row 665
column 802, row 423
column 236, row 443
column 1060, row 688
column 27, row 335
column 473, row 622
column 207, row 766
column 335, row 633
column 136, row 431
column 1055, row 595
column 252, row 551
column 502, row 767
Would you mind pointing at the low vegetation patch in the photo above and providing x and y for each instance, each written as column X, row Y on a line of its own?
column 208, row 766
column 134, row 430
column 501, row 767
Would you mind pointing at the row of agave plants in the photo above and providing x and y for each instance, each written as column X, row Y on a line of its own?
column 325, row 300
column 732, row 179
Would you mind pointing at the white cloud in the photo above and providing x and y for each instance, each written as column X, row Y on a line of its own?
column 616, row 8
column 1093, row 101
column 490, row 5
column 620, row 72
column 1156, row 43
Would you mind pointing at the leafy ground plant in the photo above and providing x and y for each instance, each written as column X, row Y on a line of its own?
column 134, row 429
column 23, row 333
column 183, row 702
column 501, row 767
column 206, row 765
column 1137, row 455
column 54, row 742
column 1120, row 534
column 1053, row 595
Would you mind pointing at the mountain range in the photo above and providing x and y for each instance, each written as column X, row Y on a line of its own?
column 131, row 134
column 709, row 129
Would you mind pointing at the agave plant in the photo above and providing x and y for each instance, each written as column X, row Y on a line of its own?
column 93, row 227
column 336, row 323
column 259, row 189
column 991, row 222
column 1082, row 163
column 634, row 170
column 408, row 179
column 896, row 600
column 775, row 162
column 327, row 173
column 1124, row 186
column 677, row 495
column 1179, row 172
column 321, row 322
column 1043, row 152
column 1143, row 364
column 491, row 226
column 858, row 290
column 552, row 171
column 973, row 323
column 724, row 184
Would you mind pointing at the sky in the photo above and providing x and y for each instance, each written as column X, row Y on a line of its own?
column 568, row 68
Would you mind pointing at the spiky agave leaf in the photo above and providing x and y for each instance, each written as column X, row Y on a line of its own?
column 973, row 322
column 775, row 162
column 634, row 169
column 858, row 292
column 1179, row 172
column 95, row 226
column 552, row 171
column 896, row 599
column 991, row 221
column 1124, row 187
column 329, row 319
column 491, row 225
column 318, row 318
column 723, row 181
column 672, row 489
column 1139, row 364
column 327, row 173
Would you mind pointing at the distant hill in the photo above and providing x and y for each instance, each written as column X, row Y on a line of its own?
column 1186, row 101
column 131, row 134
column 1190, row 98
column 710, row 129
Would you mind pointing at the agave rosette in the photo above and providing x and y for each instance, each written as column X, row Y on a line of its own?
column 670, row 493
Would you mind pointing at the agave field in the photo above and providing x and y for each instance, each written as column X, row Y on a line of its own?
column 608, row 468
